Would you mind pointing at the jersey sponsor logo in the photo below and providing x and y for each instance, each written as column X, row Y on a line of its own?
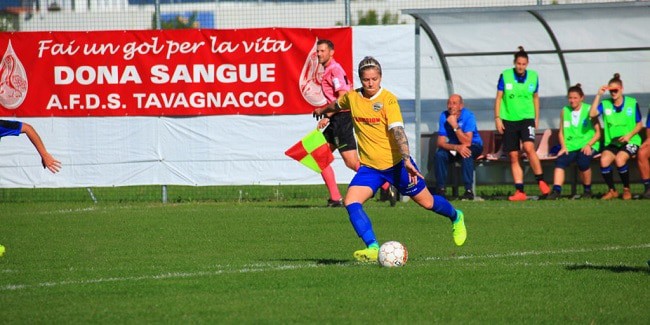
column 377, row 106
column 367, row 120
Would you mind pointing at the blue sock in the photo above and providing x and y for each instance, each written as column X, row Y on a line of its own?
column 586, row 187
column 557, row 188
column 442, row 207
column 519, row 187
column 362, row 224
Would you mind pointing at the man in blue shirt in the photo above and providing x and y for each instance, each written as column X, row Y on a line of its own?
column 458, row 140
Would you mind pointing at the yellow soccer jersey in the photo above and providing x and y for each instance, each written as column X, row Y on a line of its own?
column 372, row 118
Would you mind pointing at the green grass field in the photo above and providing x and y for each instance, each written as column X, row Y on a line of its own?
column 290, row 261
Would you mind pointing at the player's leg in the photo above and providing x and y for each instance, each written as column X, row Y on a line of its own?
column 561, row 163
column 584, row 169
column 436, row 203
column 511, row 145
column 467, row 166
column 335, row 199
column 362, row 187
column 351, row 159
column 443, row 158
column 643, row 160
column 528, row 139
column 345, row 140
column 621, row 160
column 606, row 160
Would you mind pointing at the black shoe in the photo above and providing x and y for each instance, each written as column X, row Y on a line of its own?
column 334, row 203
column 554, row 195
column 586, row 195
column 393, row 195
column 468, row 196
column 646, row 194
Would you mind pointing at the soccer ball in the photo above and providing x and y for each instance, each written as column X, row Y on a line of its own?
column 393, row 254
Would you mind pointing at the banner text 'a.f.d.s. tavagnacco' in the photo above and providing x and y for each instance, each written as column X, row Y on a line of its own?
column 165, row 73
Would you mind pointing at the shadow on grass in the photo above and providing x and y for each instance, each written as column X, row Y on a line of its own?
column 318, row 261
column 611, row 268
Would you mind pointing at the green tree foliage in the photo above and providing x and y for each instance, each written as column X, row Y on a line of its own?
column 371, row 17
column 7, row 22
column 178, row 22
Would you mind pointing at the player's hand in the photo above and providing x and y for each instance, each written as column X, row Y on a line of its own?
column 624, row 139
column 413, row 172
column 464, row 151
column 603, row 89
column 452, row 120
column 499, row 125
column 562, row 151
column 323, row 123
column 587, row 150
column 319, row 113
column 50, row 163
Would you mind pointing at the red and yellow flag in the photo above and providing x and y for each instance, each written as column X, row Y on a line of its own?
column 312, row 151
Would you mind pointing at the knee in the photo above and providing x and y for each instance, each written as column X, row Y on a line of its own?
column 442, row 156
column 468, row 162
column 621, row 161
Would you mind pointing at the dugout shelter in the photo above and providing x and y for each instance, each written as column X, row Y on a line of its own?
column 464, row 51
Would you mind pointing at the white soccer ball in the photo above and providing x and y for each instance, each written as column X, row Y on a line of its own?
column 392, row 254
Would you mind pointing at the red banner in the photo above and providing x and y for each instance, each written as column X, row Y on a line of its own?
column 165, row 73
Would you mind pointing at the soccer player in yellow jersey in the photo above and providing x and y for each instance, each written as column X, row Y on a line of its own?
column 385, row 157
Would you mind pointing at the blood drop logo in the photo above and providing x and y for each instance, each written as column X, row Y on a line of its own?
column 13, row 80
column 311, row 78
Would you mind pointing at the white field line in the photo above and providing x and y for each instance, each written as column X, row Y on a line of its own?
column 265, row 268
column 533, row 253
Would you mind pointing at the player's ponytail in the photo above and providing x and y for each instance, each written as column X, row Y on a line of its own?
column 616, row 79
column 521, row 53
column 577, row 88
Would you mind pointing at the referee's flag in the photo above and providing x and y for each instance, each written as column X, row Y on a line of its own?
column 312, row 151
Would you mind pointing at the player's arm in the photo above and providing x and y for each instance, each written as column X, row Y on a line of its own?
column 560, row 135
column 498, row 123
column 596, row 136
column 593, row 111
column 536, row 105
column 403, row 145
column 46, row 158
column 332, row 107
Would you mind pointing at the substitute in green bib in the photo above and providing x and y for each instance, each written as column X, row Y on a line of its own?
column 579, row 139
column 516, row 115
column 621, row 125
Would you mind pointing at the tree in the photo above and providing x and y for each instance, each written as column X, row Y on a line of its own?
column 372, row 18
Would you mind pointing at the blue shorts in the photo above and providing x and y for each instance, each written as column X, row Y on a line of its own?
column 583, row 161
column 10, row 128
column 396, row 175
